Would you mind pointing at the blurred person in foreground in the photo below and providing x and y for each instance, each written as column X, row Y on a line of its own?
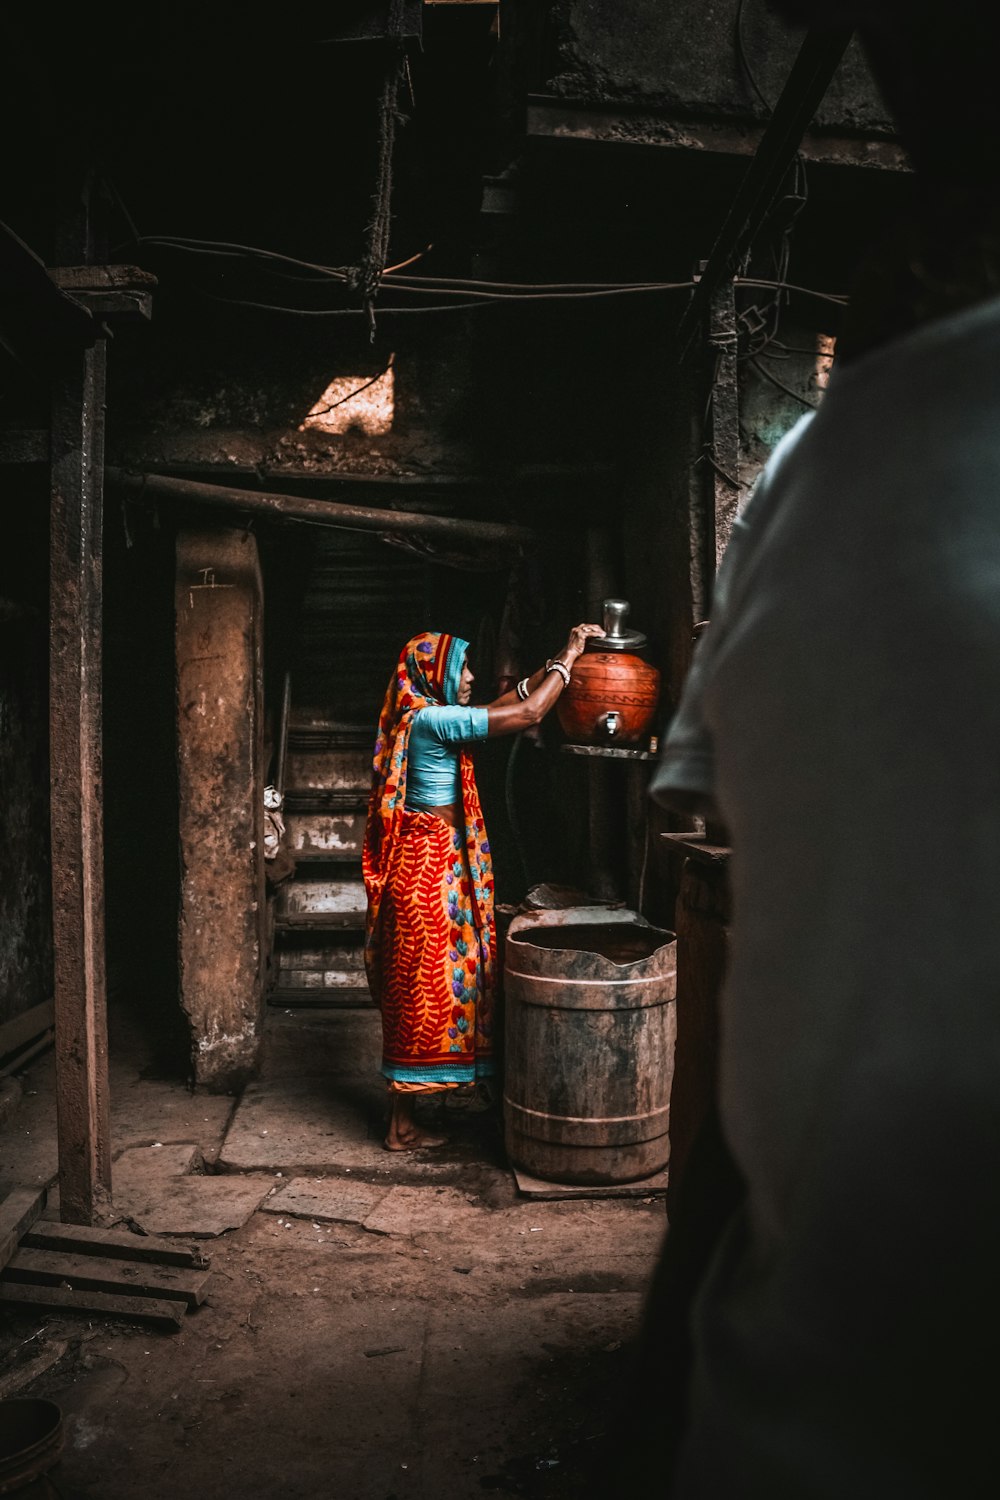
column 841, row 1309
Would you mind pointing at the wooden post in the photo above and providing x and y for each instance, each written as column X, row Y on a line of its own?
column 75, row 722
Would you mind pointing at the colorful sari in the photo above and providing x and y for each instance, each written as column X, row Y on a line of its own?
column 430, row 941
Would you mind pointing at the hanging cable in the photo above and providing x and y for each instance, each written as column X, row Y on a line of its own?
column 741, row 54
column 761, row 370
column 368, row 273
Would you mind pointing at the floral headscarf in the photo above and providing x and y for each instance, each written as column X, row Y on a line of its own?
column 428, row 672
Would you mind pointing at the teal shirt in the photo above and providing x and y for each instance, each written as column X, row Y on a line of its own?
column 432, row 778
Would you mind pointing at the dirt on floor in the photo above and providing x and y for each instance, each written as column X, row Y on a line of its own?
column 377, row 1327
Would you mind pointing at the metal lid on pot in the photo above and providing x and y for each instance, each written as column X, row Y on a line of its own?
column 616, row 637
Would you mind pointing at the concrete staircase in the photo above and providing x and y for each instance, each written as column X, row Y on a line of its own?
column 319, row 915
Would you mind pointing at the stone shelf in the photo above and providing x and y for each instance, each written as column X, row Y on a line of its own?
column 610, row 752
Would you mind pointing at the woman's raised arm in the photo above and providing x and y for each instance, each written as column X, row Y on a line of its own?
column 531, row 700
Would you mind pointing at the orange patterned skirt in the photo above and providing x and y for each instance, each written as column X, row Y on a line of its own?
column 435, row 962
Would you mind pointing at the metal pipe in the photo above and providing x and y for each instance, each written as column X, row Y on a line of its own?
column 286, row 709
column 321, row 512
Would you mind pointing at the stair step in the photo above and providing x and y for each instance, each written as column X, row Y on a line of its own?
column 318, row 857
column 321, row 888
column 326, row 799
column 354, row 997
column 313, row 967
column 347, row 770
column 320, row 921
column 342, row 951
column 331, row 737
column 344, row 832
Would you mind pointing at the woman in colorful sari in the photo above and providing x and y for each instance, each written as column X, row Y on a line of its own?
column 430, row 946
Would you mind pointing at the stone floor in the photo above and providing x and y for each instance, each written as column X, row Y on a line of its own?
column 378, row 1327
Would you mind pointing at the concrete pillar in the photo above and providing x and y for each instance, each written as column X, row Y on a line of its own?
column 220, row 750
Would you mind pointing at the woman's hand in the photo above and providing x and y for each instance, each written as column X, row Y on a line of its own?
column 578, row 637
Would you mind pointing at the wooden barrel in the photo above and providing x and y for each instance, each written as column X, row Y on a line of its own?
column 590, row 1027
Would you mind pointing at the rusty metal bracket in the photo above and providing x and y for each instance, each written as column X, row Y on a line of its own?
column 120, row 292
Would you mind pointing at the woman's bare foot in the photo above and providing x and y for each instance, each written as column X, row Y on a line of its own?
column 416, row 1140
column 404, row 1134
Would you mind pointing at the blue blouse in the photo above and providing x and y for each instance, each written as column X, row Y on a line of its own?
column 432, row 778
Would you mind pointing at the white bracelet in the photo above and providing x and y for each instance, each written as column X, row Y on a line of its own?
column 522, row 689
column 560, row 667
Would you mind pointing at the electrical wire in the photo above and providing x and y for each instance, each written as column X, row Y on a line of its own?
column 342, row 312
column 483, row 300
column 756, row 365
column 472, row 292
column 512, row 817
column 741, row 54
column 527, row 286
column 401, row 265
column 641, row 892
column 325, row 411
column 788, row 349
column 554, row 291
column 230, row 248
column 464, row 284
column 790, row 286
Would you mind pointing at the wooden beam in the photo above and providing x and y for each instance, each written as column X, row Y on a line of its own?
column 161, row 1312
column 18, row 1212
column 98, row 1273
column 118, row 1244
column 26, row 1027
column 27, row 1055
column 75, row 721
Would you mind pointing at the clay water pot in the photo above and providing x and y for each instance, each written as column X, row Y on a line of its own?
column 612, row 694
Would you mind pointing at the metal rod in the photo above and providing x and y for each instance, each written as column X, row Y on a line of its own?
column 286, row 707
column 321, row 512
column 818, row 60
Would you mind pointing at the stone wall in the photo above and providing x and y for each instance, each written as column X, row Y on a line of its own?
column 683, row 58
column 25, row 883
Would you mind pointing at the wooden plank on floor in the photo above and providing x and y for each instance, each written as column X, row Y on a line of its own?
column 161, row 1312
column 26, row 1027
column 53, row 1267
column 18, row 1212
column 20, row 1060
column 118, row 1244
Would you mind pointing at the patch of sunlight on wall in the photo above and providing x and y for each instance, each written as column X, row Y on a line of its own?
column 356, row 403
column 826, row 349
